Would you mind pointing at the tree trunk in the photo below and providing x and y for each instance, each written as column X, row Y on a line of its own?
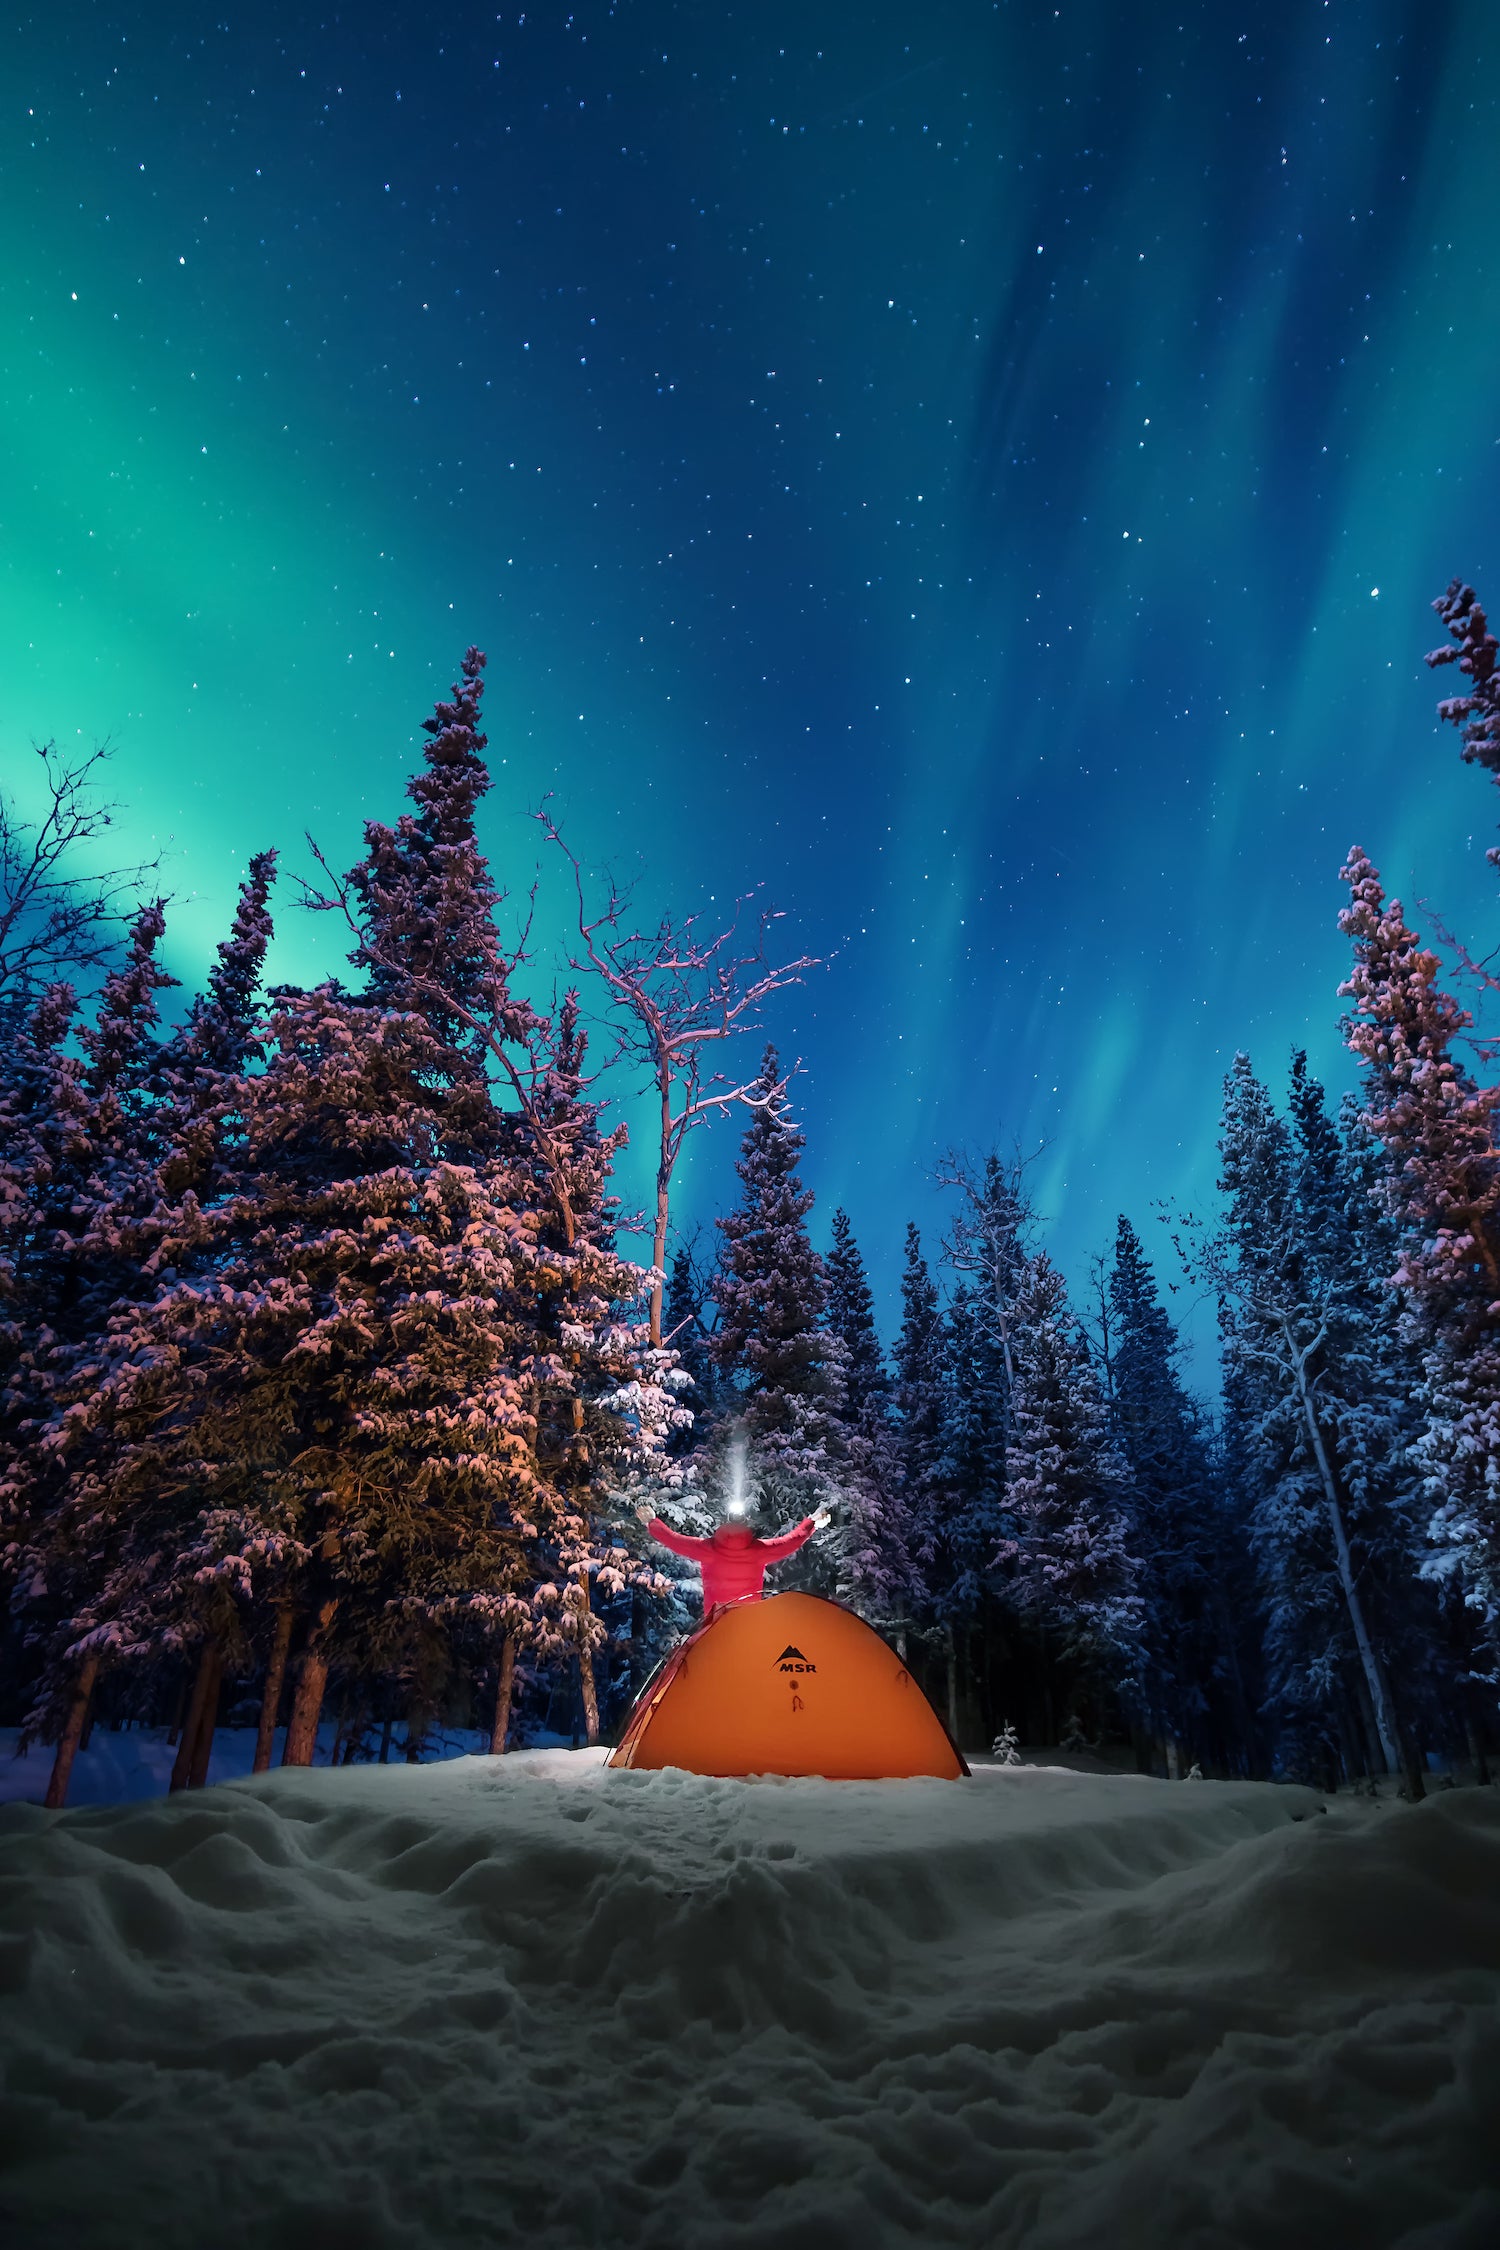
column 1228, row 1640
column 270, row 1702
column 357, row 1718
column 179, row 1712
column 203, row 1746
column 663, row 1191
column 307, row 1709
column 501, row 1728
column 951, row 1654
column 586, row 1685
column 72, row 1733
column 1477, row 1758
column 639, row 1662
column 1352, row 1755
column 385, row 1740
column 589, row 1692
column 204, row 1679
column 1380, row 1701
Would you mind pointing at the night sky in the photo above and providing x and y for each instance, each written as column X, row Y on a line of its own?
column 978, row 469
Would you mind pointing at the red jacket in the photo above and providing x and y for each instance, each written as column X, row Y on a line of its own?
column 734, row 1560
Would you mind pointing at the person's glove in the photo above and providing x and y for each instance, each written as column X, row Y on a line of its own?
column 823, row 1516
column 645, row 1511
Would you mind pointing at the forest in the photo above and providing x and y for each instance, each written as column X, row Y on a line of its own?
column 330, row 1394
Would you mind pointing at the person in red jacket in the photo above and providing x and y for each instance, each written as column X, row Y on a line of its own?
column 734, row 1559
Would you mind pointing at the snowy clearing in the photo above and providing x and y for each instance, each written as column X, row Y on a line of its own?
column 531, row 2001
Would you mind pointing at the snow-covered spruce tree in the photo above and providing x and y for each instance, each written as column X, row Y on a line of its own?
column 985, row 1249
column 1289, row 1313
column 92, row 1220
column 922, row 1400
column 1373, row 1396
column 687, row 1327
column 987, row 1246
column 876, row 1572
column 161, row 1112
column 129, row 1126
column 371, row 1384
column 921, row 1383
column 1067, row 1497
column 920, row 1396
column 201, row 1071
column 605, row 1433
column 1476, row 652
column 165, row 1110
column 1437, row 1127
column 770, row 1347
column 45, row 1153
column 1191, row 1682
column 321, row 1414
column 971, row 1482
column 45, row 1158
column 424, row 909
column 80, row 1152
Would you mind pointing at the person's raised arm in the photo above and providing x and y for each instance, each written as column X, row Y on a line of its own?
column 776, row 1550
column 679, row 1542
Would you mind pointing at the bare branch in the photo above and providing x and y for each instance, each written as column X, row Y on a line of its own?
column 679, row 988
column 55, row 922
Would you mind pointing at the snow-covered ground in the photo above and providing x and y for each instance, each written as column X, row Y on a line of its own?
column 530, row 2001
column 119, row 1767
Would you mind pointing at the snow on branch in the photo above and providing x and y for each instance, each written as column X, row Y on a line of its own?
column 681, row 988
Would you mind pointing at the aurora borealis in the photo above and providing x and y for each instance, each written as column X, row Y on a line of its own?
column 980, row 470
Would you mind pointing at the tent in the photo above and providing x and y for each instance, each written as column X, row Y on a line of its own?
column 792, row 1685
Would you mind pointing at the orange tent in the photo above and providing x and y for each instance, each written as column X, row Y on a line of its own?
column 793, row 1685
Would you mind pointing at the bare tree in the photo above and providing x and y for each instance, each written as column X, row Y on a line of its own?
column 679, row 991
column 1098, row 1324
column 55, row 919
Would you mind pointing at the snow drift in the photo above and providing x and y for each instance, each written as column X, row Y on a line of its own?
column 533, row 2001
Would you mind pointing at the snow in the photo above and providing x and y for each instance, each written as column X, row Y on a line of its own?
column 533, row 2001
column 119, row 1768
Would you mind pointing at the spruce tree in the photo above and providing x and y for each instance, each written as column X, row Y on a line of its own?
column 922, row 1372
column 86, row 1229
column 770, row 1347
column 971, row 1472
column 1191, row 1670
column 203, row 1065
column 1437, row 1127
column 687, row 1329
column 1067, row 1496
column 921, row 1381
column 428, row 937
column 876, row 1573
column 1290, row 1314
column 390, row 1370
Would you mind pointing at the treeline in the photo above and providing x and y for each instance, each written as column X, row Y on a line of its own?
column 325, row 1376
column 1034, row 1504
column 321, row 1364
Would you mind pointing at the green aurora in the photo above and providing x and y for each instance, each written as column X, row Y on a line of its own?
column 979, row 471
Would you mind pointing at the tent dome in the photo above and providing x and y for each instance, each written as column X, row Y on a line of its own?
column 789, row 1685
